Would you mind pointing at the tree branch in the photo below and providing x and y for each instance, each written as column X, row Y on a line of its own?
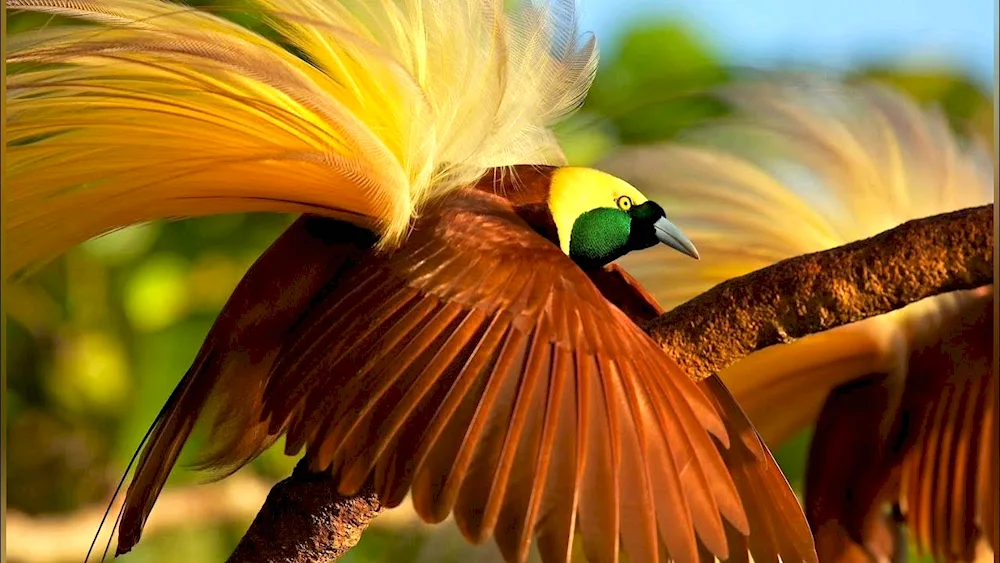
column 817, row 292
column 305, row 520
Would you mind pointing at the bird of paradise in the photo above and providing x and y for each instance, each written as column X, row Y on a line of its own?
column 444, row 320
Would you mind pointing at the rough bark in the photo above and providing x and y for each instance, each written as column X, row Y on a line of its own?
column 816, row 292
column 305, row 520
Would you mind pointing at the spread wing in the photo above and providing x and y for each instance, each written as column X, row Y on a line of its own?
column 480, row 368
column 948, row 491
column 845, row 493
column 934, row 457
column 229, row 372
column 778, row 527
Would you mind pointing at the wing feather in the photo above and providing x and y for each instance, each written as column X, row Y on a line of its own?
column 514, row 435
column 691, row 456
column 547, row 450
column 638, row 512
column 600, row 505
column 436, row 369
column 560, row 497
column 945, row 420
column 230, row 370
column 988, row 476
column 440, row 448
column 514, row 513
column 766, row 522
column 482, row 444
column 776, row 527
column 476, row 448
column 843, row 493
column 458, row 366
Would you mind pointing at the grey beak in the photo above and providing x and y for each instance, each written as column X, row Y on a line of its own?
column 670, row 235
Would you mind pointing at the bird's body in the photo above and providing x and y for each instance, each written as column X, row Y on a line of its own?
column 479, row 367
column 442, row 322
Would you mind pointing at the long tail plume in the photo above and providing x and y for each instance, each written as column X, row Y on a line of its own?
column 149, row 109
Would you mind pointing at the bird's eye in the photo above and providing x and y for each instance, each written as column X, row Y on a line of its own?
column 624, row 203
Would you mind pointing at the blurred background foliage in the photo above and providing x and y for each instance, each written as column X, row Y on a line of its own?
column 98, row 338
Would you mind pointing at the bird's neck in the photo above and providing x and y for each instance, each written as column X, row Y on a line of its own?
column 520, row 185
column 538, row 216
column 526, row 188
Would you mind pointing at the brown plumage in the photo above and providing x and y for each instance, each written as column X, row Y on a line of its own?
column 936, row 461
column 480, row 368
column 441, row 322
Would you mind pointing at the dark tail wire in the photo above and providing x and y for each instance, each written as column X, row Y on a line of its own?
column 169, row 405
column 121, row 482
column 118, row 521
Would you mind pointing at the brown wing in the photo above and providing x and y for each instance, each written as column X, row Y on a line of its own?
column 778, row 526
column 849, row 474
column 950, row 441
column 619, row 287
column 231, row 368
column 936, row 463
column 479, row 367
column 988, row 482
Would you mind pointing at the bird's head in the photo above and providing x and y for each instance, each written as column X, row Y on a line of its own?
column 600, row 218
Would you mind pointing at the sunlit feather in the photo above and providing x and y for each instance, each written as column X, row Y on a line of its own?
column 147, row 109
column 806, row 165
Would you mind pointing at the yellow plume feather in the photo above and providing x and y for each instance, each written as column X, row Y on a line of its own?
column 805, row 166
column 148, row 109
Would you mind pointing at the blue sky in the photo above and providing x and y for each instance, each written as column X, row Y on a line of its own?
column 832, row 33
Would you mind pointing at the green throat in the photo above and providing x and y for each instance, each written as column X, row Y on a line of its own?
column 600, row 236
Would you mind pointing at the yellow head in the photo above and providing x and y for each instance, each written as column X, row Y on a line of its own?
column 600, row 218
